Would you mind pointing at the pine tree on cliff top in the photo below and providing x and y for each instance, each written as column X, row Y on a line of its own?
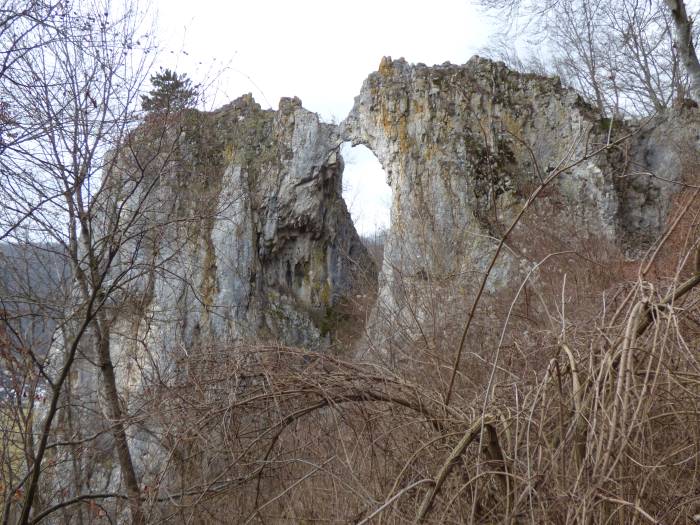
column 171, row 92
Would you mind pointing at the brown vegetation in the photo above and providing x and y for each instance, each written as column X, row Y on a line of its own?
column 601, row 425
column 569, row 396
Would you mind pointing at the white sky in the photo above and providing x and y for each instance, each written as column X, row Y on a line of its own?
column 320, row 51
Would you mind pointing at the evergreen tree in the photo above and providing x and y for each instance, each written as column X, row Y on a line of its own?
column 171, row 92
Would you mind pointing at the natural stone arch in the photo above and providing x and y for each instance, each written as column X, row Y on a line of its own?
column 366, row 190
column 457, row 143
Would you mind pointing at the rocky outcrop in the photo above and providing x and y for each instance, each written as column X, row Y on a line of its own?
column 234, row 231
column 463, row 148
column 249, row 238
column 229, row 228
column 243, row 235
column 252, row 239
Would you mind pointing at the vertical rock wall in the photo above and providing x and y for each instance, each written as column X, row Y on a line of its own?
column 255, row 242
column 241, row 234
column 230, row 230
column 463, row 148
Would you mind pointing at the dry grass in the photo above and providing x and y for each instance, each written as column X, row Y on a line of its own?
column 580, row 419
column 581, row 405
column 576, row 400
column 605, row 432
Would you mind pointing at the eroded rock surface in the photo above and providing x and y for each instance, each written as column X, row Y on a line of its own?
column 243, row 235
column 465, row 146
column 252, row 241
column 232, row 231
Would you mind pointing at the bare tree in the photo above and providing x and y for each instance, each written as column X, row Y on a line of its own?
column 561, row 431
column 71, row 92
column 624, row 56
column 685, row 38
column 20, row 21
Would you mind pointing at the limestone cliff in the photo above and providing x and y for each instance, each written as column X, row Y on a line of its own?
column 220, row 229
column 231, row 227
column 463, row 148
column 251, row 239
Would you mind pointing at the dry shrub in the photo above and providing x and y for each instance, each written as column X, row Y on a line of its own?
column 577, row 402
column 606, row 430
column 268, row 432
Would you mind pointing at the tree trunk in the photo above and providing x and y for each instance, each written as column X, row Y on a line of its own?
column 686, row 46
column 115, row 417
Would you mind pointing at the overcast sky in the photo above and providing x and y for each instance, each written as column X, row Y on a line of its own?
column 320, row 51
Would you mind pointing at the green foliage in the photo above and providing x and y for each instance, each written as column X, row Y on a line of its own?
column 171, row 92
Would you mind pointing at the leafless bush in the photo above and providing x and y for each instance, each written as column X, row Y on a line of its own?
column 606, row 429
column 583, row 407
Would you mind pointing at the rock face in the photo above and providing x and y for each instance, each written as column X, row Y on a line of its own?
column 254, row 240
column 233, row 231
column 230, row 229
column 244, row 235
column 463, row 148
column 255, row 243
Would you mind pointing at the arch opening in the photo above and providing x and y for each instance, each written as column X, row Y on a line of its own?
column 367, row 194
